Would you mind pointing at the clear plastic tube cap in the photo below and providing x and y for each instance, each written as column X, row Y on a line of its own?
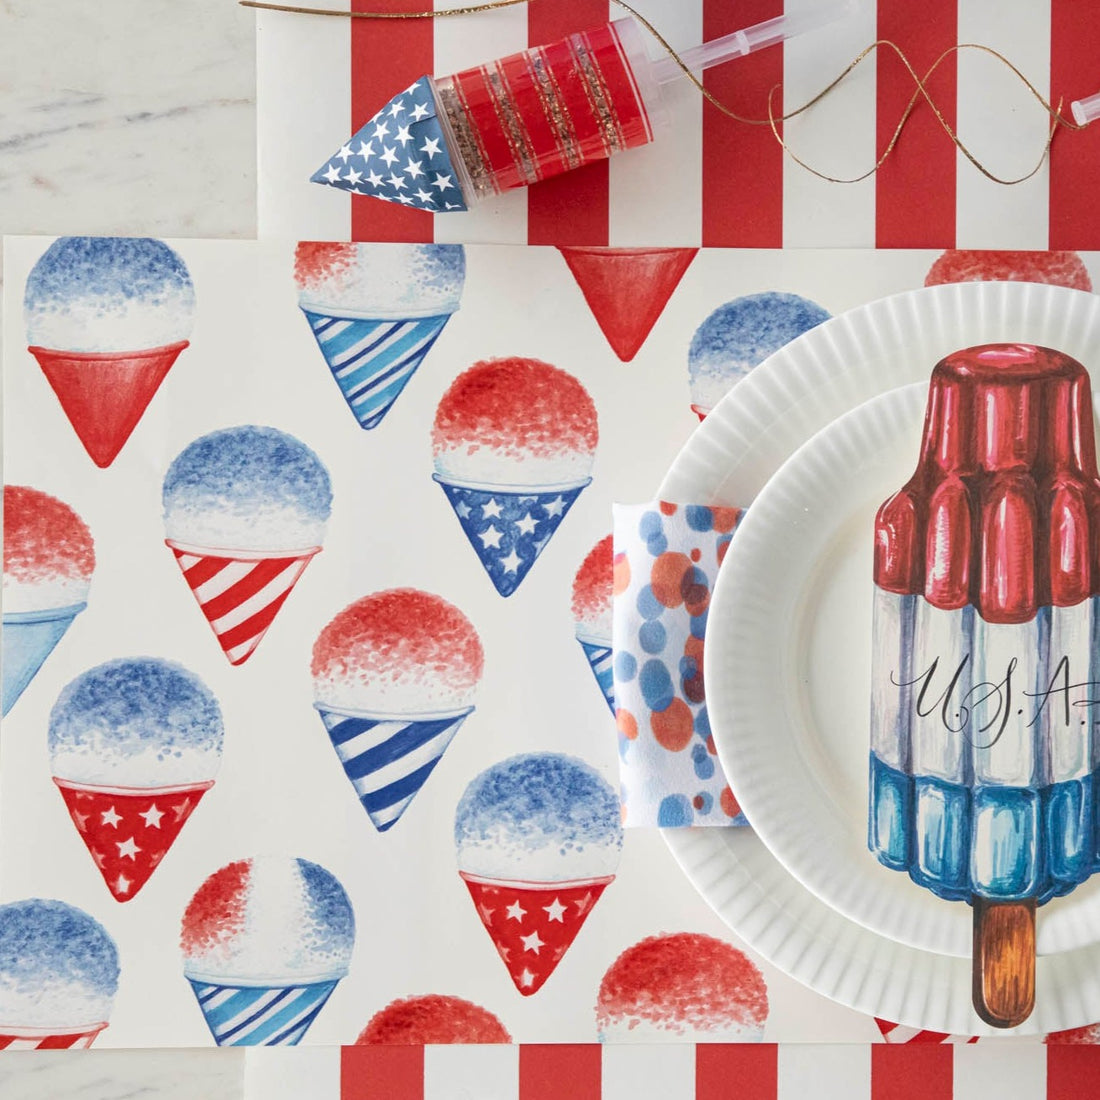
column 1086, row 110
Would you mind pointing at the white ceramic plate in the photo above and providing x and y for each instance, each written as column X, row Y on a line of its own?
column 817, row 378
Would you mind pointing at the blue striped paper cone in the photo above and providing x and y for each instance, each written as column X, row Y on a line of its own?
column 389, row 757
column 600, row 661
column 260, row 1015
column 29, row 638
column 372, row 359
column 509, row 527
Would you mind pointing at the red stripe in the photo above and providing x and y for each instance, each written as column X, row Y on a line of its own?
column 205, row 569
column 572, row 208
column 915, row 188
column 1072, row 1072
column 382, row 1073
column 61, row 1042
column 261, row 575
column 912, row 1071
column 387, row 55
column 1074, row 156
column 252, row 627
column 748, row 1071
column 742, row 165
column 551, row 1072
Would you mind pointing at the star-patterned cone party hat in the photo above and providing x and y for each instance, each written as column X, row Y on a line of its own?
column 513, row 441
column 265, row 941
column 245, row 511
column 58, row 976
column 49, row 558
column 395, row 675
column 592, row 614
column 627, row 289
column 375, row 311
column 538, row 839
column 106, row 319
column 134, row 744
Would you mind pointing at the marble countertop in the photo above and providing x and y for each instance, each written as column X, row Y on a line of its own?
column 152, row 132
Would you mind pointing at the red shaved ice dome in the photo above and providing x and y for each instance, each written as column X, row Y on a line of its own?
column 400, row 651
column 966, row 265
column 434, row 1019
column 515, row 422
column 592, row 590
column 685, row 984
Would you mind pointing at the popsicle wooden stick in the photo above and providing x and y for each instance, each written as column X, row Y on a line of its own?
column 1004, row 961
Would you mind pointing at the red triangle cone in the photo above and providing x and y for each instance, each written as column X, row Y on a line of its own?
column 104, row 394
column 627, row 289
column 533, row 924
column 128, row 830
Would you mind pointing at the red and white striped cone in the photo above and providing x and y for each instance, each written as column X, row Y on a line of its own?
column 899, row 1033
column 240, row 591
column 48, row 1038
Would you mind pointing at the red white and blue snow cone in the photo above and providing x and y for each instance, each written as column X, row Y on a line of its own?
column 599, row 655
column 509, row 527
column 388, row 758
column 260, row 1015
column 29, row 638
column 372, row 359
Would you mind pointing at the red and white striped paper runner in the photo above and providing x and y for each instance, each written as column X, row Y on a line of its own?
column 711, row 181
column 788, row 1071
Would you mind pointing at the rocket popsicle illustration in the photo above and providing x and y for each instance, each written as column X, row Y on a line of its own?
column 592, row 614
column 684, row 987
column 446, row 143
column 375, row 311
column 58, row 976
column 513, row 441
column 49, row 557
column 106, row 318
column 265, row 941
column 985, row 655
column 740, row 335
column 245, row 510
column 395, row 675
column 134, row 745
column 538, row 839
column 432, row 1020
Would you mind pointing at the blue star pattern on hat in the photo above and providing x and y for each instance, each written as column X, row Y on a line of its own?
column 400, row 156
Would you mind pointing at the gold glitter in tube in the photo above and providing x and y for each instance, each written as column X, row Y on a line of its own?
column 519, row 144
column 466, row 142
column 553, row 108
column 597, row 95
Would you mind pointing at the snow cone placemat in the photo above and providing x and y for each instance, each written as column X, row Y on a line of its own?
column 307, row 584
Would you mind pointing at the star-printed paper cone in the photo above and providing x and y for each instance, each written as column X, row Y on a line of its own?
column 260, row 1015
column 29, row 638
column 509, row 528
column 46, row 1038
column 388, row 758
column 627, row 289
column 104, row 394
column 240, row 592
column 599, row 657
column 373, row 359
column 128, row 830
column 533, row 924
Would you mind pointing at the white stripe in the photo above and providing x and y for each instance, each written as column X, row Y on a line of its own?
column 823, row 1071
column 296, row 132
column 631, row 1071
column 367, row 740
column 217, row 999
column 224, row 579
column 267, row 595
column 499, row 33
column 836, row 136
column 489, row 1072
column 391, row 773
column 656, row 191
column 383, row 817
column 334, row 329
column 283, row 1073
column 188, row 560
column 1008, row 1071
column 344, row 362
column 263, row 1004
column 1003, row 125
column 1069, row 745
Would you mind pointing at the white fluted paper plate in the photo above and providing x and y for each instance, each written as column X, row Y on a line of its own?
column 819, row 377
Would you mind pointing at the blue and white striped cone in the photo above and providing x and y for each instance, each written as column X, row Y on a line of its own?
column 509, row 528
column 260, row 1015
column 371, row 358
column 600, row 661
column 389, row 757
column 29, row 638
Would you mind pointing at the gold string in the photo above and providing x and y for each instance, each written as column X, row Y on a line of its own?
column 920, row 92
